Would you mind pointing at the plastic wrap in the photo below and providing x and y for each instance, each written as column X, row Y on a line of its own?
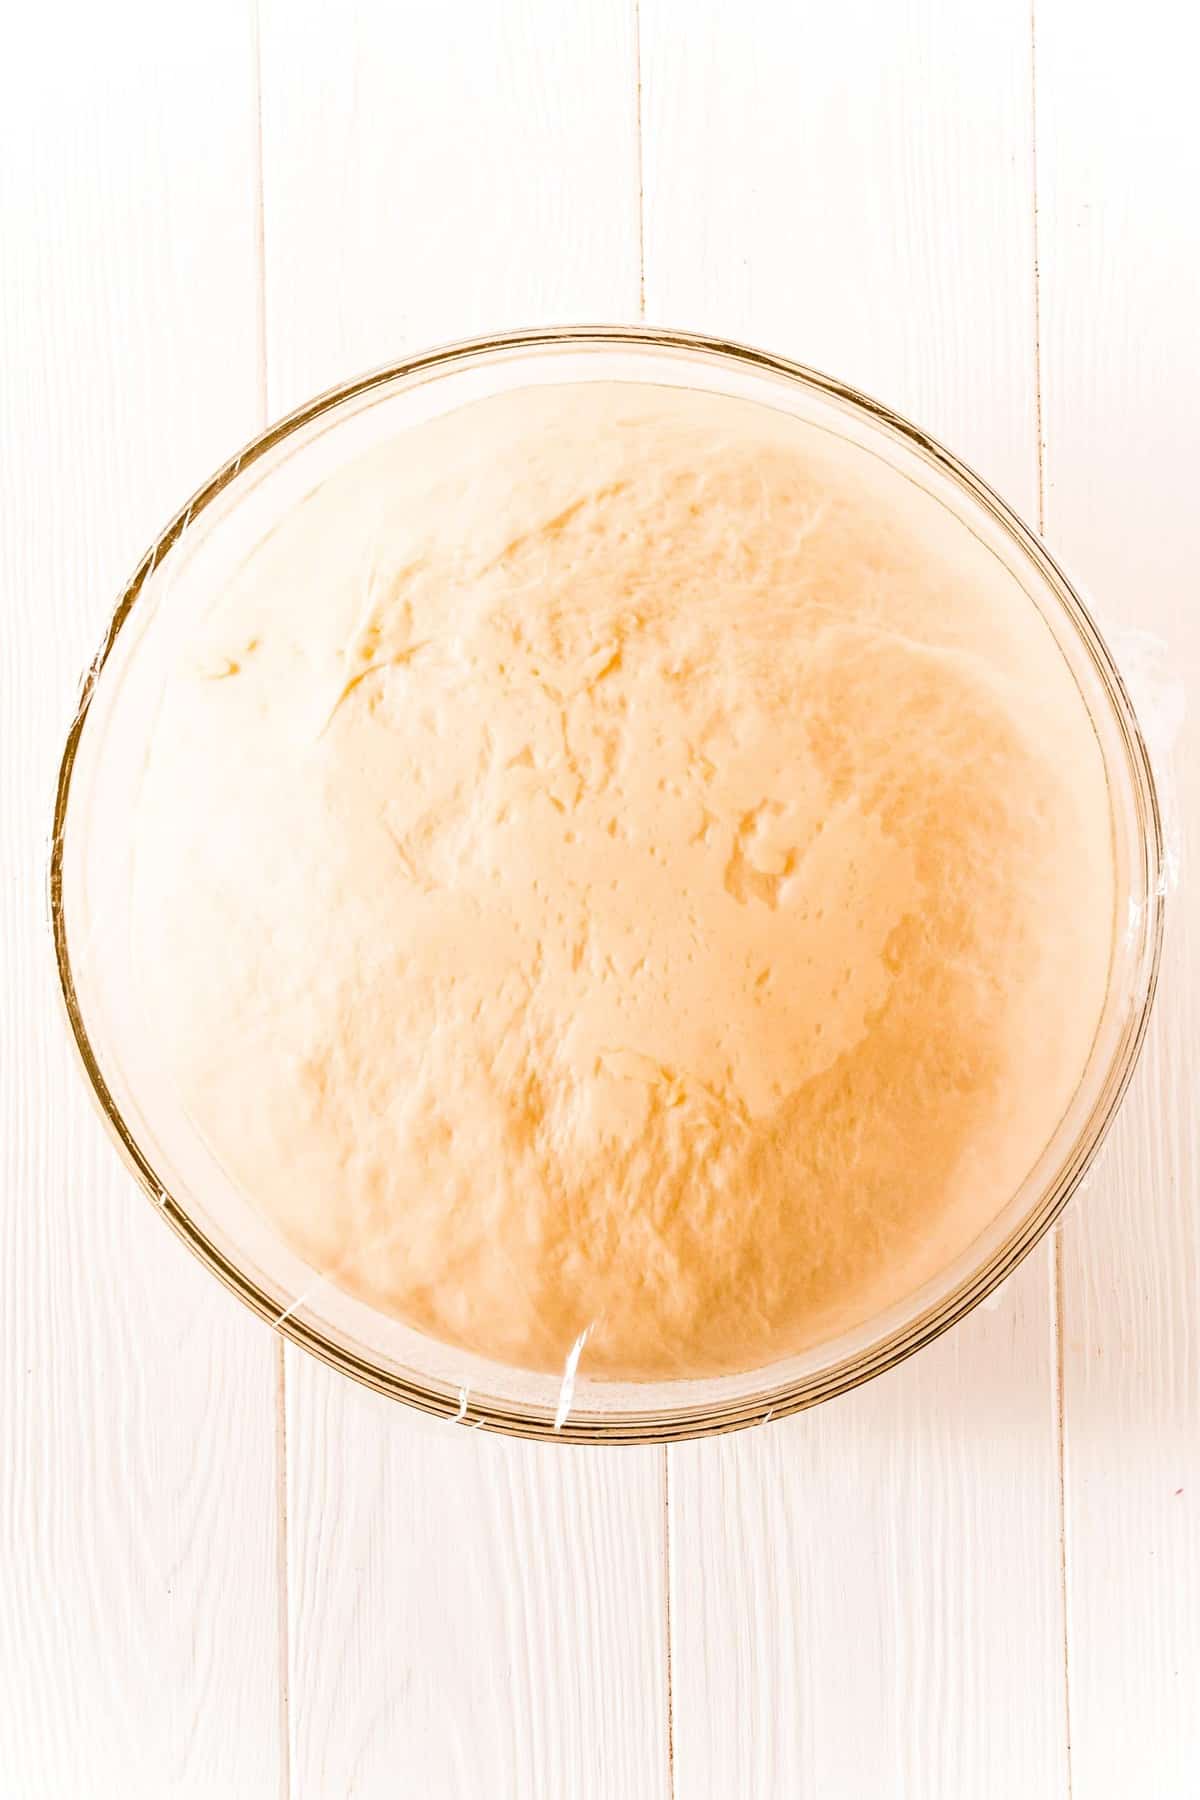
column 204, row 550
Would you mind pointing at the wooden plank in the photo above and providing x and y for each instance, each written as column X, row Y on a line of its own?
column 468, row 1616
column 861, row 1597
column 867, row 1600
column 1119, row 239
column 139, row 1629
column 476, row 168
column 854, row 190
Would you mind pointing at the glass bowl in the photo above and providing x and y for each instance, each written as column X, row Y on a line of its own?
column 92, row 842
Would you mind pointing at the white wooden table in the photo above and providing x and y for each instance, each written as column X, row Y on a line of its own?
column 223, row 1570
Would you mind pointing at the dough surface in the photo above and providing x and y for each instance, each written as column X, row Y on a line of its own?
column 619, row 859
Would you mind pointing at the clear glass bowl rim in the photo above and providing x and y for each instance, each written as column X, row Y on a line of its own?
column 652, row 1426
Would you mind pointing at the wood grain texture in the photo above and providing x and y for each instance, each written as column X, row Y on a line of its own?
column 431, row 173
column 467, row 1616
column 867, row 1600
column 139, row 1613
column 1119, row 237
column 863, row 1600
column 853, row 186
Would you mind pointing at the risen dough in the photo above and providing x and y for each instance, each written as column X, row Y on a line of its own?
column 619, row 859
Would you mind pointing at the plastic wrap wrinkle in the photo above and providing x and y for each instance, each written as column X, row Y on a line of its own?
column 1160, row 698
column 566, row 1391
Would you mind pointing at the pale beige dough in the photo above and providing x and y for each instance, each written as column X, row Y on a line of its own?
column 617, row 858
